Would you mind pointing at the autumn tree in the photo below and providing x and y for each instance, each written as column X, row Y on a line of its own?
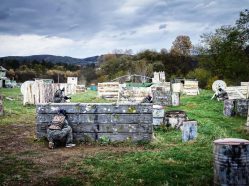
column 181, row 46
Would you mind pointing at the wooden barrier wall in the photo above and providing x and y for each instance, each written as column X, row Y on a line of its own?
column 191, row 88
column 97, row 120
column 237, row 92
column 133, row 94
column 108, row 90
column 41, row 92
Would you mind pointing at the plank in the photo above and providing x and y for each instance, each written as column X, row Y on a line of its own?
column 105, row 128
column 100, row 118
column 94, row 108
column 237, row 92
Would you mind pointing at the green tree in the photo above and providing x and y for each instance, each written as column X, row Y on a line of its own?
column 224, row 51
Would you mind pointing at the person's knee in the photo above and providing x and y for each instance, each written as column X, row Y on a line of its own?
column 70, row 129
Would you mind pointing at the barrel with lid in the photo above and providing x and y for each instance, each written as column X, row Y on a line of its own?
column 231, row 162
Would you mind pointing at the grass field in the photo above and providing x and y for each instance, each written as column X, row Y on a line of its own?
column 164, row 161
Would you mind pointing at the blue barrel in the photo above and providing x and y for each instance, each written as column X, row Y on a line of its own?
column 93, row 87
column 231, row 162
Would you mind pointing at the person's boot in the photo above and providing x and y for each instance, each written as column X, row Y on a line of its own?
column 51, row 145
column 70, row 145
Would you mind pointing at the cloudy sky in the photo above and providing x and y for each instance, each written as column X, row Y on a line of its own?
column 83, row 28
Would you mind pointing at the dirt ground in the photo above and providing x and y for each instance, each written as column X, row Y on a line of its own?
column 42, row 165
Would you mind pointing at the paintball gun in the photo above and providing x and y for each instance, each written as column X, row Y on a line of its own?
column 67, row 97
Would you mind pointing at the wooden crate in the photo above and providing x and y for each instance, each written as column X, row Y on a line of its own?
column 117, row 122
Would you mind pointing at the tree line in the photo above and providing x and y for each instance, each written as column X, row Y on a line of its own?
column 222, row 54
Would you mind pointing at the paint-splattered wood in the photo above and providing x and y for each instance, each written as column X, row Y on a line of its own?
column 242, row 107
column 229, row 107
column 162, row 98
column 1, row 105
column 231, row 161
column 102, row 108
column 117, row 122
column 100, row 118
column 247, row 122
column 104, row 128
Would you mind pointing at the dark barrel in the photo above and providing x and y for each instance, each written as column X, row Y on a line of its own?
column 242, row 107
column 231, row 162
column 228, row 107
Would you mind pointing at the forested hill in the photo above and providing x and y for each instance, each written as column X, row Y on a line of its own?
column 53, row 59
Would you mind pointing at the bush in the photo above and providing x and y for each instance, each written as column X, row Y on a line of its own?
column 201, row 75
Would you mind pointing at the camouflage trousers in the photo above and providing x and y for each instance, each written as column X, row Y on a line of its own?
column 62, row 135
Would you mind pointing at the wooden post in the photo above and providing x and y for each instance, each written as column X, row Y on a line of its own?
column 228, row 107
column 247, row 123
column 158, row 115
column 1, row 105
column 175, row 99
column 189, row 130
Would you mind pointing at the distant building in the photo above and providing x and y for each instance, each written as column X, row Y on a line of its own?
column 3, row 77
column 72, row 80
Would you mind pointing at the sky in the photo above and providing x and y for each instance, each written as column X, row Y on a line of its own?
column 84, row 28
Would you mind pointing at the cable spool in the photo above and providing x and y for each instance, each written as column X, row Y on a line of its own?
column 218, row 84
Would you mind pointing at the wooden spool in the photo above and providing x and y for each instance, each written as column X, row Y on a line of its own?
column 231, row 162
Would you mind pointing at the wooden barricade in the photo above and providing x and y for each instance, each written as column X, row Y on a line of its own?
column 237, row 92
column 1, row 105
column 116, row 122
column 191, row 88
column 133, row 94
column 38, row 91
column 108, row 90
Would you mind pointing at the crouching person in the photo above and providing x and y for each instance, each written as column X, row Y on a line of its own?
column 59, row 131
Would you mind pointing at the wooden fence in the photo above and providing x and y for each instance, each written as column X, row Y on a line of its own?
column 40, row 92
column 116, row 122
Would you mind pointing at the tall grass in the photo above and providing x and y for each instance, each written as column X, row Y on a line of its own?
column 164, row 161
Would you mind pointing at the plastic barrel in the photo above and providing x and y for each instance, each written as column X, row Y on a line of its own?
column 231, row 162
